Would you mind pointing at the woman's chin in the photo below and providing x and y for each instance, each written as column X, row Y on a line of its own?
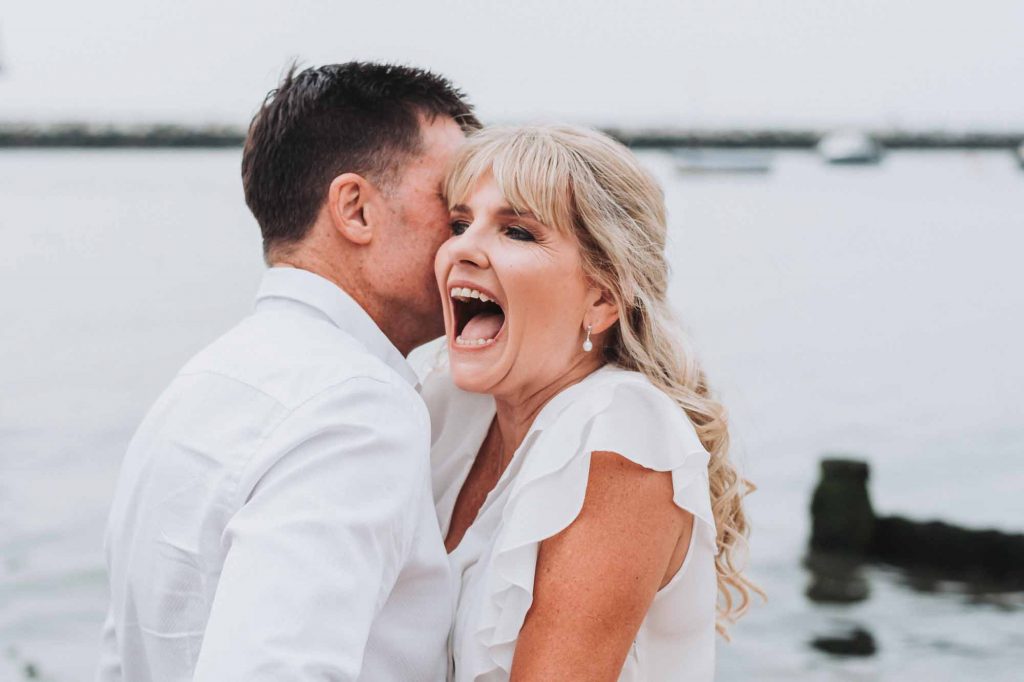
column 471, row 374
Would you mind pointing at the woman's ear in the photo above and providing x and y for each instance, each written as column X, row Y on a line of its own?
column 602, row 311
column 347, row 201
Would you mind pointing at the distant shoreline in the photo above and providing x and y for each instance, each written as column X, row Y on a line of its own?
column 95, row 136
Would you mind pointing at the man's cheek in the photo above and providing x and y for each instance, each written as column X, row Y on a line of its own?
column 442, row 236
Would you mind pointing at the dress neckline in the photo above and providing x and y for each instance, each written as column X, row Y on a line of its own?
column 486, row 416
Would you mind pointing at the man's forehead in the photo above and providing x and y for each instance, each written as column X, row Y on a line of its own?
column 441, row 132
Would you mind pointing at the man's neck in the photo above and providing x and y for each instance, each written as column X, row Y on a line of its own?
column 391, row 326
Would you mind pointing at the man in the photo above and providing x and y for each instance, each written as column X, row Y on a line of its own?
column 273, row 518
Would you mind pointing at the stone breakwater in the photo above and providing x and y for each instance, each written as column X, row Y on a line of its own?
column 81, row 135
column 91, row 135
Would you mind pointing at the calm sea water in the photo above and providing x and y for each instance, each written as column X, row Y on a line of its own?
column 874, row 311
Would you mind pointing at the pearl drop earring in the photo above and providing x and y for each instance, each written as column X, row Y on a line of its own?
column 587, row 345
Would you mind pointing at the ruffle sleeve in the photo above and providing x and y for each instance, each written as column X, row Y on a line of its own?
column 621, row 413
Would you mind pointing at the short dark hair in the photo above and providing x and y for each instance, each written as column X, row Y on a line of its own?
column 357, row 117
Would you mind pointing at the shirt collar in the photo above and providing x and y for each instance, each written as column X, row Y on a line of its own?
column 340, row 308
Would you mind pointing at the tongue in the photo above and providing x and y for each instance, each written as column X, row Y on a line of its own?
column 483, row 326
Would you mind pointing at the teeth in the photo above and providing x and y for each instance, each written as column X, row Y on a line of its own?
column 466, row 292
column 459, row 341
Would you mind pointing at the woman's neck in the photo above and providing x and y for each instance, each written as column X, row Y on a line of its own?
column 515, row 413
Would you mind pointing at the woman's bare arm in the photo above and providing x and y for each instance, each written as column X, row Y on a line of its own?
column 596, row 579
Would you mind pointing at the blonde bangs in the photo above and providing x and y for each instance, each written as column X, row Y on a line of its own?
column 532, row 172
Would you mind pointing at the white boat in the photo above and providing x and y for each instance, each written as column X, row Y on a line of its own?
column 849, row 146
column 722, row 161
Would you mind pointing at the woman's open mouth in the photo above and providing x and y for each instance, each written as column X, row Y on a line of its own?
column 478, row 318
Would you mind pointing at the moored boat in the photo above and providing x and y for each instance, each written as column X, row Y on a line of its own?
column 722, row 161
column 849, row 146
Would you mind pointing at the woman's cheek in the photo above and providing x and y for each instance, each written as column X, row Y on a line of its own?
column 441, row 265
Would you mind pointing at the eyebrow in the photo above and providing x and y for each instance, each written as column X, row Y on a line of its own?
column 504, row 211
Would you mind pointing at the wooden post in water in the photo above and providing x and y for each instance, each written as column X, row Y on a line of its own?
column 845, row 532
column 842, row 518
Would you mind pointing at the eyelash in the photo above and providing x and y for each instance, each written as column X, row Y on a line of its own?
column 524, row 235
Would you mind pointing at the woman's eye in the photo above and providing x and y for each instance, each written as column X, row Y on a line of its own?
column 519, row 233
column 459, row 226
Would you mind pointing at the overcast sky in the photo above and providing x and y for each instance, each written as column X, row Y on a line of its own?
column 710, row 63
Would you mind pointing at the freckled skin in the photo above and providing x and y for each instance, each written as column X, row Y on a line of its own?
column 596, row 579
column 541, row 287
column 378, row 242
column 588, row 601
column 417, row 225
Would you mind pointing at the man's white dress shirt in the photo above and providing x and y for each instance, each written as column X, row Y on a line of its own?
column 273, row 519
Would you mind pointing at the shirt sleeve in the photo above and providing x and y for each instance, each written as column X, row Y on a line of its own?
column 319, row 539
column 109, row 669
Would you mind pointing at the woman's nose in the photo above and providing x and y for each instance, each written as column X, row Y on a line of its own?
column 469, row 248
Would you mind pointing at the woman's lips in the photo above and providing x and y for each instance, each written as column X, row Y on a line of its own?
column 478, row 318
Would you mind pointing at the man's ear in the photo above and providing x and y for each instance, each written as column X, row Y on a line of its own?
column 602, row 311
column 347, row 201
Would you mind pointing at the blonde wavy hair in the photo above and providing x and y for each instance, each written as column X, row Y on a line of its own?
column 583, row 182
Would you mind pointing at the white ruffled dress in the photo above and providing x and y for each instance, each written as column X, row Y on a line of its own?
column 541, row 492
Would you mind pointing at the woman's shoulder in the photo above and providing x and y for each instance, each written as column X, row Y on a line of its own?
column 622, row 411
column 634, row 392
column 613, row 388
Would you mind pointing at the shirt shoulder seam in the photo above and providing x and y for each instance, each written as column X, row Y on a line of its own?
column 234, row 379
column 290, row 412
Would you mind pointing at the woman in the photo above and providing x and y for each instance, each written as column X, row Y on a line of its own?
column 580, row 468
